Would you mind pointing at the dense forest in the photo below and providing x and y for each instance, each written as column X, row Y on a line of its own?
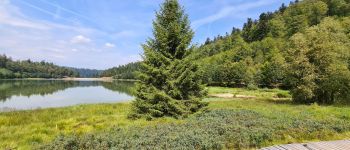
column 127, row 71
column 29, row 69
column 303, row 47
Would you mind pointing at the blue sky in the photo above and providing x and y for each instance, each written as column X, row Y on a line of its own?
column 105, row 33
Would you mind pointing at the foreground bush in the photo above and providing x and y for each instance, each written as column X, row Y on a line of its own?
column 217, row 129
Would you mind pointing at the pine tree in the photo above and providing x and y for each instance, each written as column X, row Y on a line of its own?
column 170, row 84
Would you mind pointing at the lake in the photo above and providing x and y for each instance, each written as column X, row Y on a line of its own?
column 34, row 94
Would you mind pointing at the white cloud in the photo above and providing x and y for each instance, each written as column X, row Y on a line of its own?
column 231, row 10
column 109, row 45
column 80, row 39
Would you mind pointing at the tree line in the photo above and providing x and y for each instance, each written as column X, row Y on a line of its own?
column 128, row 71
column 10, row 68
column 87, row 73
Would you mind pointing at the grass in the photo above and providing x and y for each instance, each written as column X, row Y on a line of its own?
column 270, row 121
column 260, row 93
column 23, row 129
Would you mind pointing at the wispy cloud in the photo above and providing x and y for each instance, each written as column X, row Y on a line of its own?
column 67, row 10
column 231, row 10
column 23, row 37
column 6, row 17
column 109, row 45
column 80, row 39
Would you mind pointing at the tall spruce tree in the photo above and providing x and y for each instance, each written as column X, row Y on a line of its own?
column 170, row 84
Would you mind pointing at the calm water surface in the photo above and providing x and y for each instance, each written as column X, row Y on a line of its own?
column 33, row 94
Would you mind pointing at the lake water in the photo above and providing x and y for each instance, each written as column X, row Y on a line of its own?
column 34, row 94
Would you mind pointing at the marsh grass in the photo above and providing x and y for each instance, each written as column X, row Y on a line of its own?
column 228, row 123
column 24, row 129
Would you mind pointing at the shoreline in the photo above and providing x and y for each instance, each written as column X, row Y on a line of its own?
column 14, row 110
column 76, row 79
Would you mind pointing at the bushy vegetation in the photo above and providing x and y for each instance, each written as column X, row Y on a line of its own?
column 128, row 71
column 28, row 69
column 216, row 129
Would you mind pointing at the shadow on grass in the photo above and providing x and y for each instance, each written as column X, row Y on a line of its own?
column 288, row 101
column 280, row 101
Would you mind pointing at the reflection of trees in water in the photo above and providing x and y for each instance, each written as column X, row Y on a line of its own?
column 9, row 88
column 126, row 87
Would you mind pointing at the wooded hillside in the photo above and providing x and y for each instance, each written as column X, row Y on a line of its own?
column 304, row 47
column 28, row 69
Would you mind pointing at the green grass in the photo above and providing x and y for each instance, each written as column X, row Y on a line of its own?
column 259, row 93
column 23, row 129
column 272, row 121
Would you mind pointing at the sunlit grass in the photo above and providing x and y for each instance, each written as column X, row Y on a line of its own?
column 261, row 93
column 25, row 129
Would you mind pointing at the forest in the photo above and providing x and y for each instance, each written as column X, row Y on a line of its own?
column 303, row 48
column 28, row 69
column 87, row 73
column 10, row 69
column 128, row 71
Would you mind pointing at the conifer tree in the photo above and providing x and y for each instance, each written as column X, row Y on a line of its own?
column 170, row 84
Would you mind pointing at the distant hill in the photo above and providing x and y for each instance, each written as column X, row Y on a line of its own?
column 10, row 69
column 87, row 73
column 127, row 71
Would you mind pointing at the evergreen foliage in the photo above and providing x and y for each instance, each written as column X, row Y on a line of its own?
column 170, row 84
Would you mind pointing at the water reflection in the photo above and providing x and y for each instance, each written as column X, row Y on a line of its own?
column 29, row 94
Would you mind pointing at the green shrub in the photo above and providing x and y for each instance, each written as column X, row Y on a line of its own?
column 252, row 87
column 216, row 129
column 283, row 95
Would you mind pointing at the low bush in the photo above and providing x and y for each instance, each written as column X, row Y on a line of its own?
column 215, row 129
column 283, row 95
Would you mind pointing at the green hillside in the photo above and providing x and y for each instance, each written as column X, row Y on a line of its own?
column 28, row 69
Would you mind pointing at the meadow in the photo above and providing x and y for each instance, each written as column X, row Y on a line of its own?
column 227, row 123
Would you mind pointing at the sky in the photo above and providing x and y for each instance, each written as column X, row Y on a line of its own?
column 100, row 34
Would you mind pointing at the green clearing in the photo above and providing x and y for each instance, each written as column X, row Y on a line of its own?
column 228, row 123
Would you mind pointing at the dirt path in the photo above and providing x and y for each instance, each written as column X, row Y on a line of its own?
column 228, row 95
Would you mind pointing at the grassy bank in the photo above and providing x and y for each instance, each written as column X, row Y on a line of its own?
column 23, row 129
column 229, row 122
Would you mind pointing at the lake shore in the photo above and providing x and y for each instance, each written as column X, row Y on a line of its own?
column 106, row 79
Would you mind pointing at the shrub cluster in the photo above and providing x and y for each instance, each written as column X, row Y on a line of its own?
column 216, row 129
